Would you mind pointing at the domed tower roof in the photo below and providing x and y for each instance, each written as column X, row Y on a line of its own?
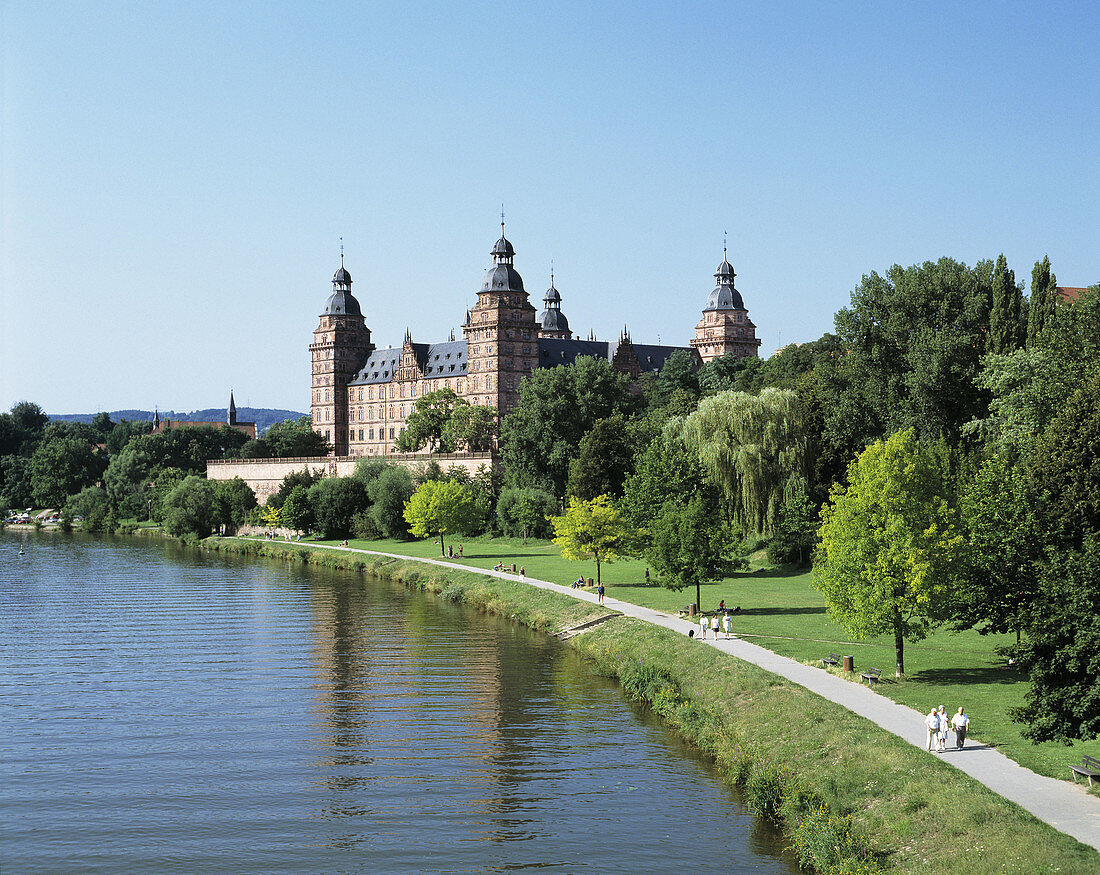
column 502, row 277
column 725, row 296
column 342, row 302
column 552, row 319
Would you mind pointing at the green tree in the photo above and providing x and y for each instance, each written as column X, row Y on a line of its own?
column 29, row 418
column 795, row 529
column 525, row 512
column 604, row 458
column 62, row 467
column 689, row 548
column 93, row 506
column 591, row 529
column 1044, row 298
column 429, row 416
column 297, row 510
column 235, row 501
column 389, row 492
column 889, row 544
column 304, row 478
column 753, row 448
column 471, row 428
column 15, row 481
column 441, row 507
column 335, row 500
column 556, row 408
column 288, row 439
column 1006, row 324
column 190, row 508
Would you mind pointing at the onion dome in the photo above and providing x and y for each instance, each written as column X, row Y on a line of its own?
column 725, row 296
column 342, row 302
column 502, row 277
column 552, row 319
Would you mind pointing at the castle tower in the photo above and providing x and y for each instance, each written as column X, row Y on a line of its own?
column 341, row 342
column 552, row 321
column 501, row 333
column 725, row 327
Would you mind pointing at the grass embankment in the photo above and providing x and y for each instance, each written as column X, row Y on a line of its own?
column 791, row 750
column 783, row 612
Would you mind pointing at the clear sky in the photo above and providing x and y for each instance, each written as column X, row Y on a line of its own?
column 177, row 176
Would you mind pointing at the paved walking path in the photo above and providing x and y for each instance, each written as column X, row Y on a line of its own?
column 1064, row 805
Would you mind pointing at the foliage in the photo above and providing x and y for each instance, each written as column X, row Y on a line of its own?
column 297, row 511
column 61, row 467
column 190, row 508
column 425, row 424
column 1007, row 328
column 388, row 493
column 471, row 428
column 604, row 458
column 304, row 478
column 525, row 512
column 15, row 481
column 444, row 507
column 1061, row 653
column 795, row 529
column 665, row 471
column 235, row 501
column 753, row 448
column 556, row 408
column 288, row 439
column 1043, row 300
column 689, row 547
column 591, row 529
column 335, row 500
column 93, row 504
column 889, row 544
column 679, row 374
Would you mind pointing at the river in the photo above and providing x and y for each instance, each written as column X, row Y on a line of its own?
column 163, row 710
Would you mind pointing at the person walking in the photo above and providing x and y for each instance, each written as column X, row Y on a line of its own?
column 714, row 625
column 599, row 593
column 726, row 624
column 932, row 721
column 703, row 626
column 941, row 737
column 960, row 723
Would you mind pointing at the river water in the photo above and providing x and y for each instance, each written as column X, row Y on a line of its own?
column 167, row 711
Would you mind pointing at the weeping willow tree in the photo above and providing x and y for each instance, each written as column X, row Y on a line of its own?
column 753, row 448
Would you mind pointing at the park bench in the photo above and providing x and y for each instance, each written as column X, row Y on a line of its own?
column 831, row 659
column 1089, row 768
column 872, row 674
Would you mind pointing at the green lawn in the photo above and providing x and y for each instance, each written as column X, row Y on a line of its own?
column 783, row 612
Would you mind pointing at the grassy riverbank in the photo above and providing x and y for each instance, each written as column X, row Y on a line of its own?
column 791, row 750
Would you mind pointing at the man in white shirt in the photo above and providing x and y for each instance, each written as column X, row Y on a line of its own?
column 932, row 721
column 960, row 723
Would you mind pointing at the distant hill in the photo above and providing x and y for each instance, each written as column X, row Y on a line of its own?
column 264, row 417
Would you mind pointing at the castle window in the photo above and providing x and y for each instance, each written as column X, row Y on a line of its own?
column 391, row 434
column 371, row 433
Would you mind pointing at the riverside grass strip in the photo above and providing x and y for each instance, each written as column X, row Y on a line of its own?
column 826, row 775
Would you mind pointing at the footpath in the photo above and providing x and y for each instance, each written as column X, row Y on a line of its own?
column 1062, row 804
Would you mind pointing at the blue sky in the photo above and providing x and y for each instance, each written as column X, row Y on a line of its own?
column 177, row 177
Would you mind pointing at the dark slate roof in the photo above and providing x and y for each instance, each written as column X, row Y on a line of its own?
column 724, row 297
column 502, row 277
column 552, row 319
column 437, row 360
column 652, row 358
column 503, row 248
column 564, row 352
column 342, row 303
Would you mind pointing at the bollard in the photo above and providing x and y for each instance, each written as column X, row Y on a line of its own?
column 849, row 663
column 693, row 609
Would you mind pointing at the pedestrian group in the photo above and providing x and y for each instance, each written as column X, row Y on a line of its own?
column 938, row 723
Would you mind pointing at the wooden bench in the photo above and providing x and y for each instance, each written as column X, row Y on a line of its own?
column 872, row 674
column 1089, row 768
column 831, row 659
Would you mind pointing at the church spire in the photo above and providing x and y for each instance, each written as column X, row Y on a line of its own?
column 231, row 415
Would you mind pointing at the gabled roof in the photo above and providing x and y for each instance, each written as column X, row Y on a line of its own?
column 436, row 360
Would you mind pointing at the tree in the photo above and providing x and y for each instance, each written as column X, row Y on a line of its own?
column 525, row 512
column 62, row 467
column 604, row 458
column 1007, row 329
column 94, row 506
column 297, row 511
column 190, row 508
column 688, row 547
column 556, row 408
column 591, row 530
column 439, row 507
column 15, row 481
column 889, row 544
column 29, row 418
column 751, row 447
column 795, row 528
column 335, row 500
column 429, row 416
column 680, row 372
column 235, row 500
column 389, row 492
column 471, row 427
column 304, row 478
column 288, row 439
column 1044, row 298
column 1061, row 653
column 665, row 471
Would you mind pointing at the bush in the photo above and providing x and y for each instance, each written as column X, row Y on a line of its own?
column 523, row 513
column 829, row 844
column 388, row 493
column 364, row 527
column 764, row 790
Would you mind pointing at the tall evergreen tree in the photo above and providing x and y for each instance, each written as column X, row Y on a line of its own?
column 1043, row 298
column 1007, row 310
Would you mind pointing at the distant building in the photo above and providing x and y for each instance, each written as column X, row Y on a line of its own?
column 362, row 395
column 248, row 428
column 1069, row 294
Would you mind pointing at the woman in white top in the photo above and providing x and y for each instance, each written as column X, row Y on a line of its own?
column 941, row 740
column 932, row 721
column 703, row 626
column 714, row 626
column 726, row 623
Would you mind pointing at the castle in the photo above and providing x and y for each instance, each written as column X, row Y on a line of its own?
column 361, row 394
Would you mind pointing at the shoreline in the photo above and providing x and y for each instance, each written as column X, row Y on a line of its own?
column 818, row 784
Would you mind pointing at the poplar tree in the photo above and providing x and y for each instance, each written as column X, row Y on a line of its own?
column 1006, row 313
column 1043, row 298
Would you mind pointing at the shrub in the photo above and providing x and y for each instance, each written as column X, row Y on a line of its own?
column 829, row 844
column 764, row 790
column 364, row 527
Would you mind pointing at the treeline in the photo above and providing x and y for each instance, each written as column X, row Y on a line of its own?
column 105, row 471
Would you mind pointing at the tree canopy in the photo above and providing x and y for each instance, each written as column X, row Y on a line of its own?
column 591, row 529
column 442, row 507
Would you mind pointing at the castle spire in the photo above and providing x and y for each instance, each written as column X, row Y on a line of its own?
column 231, row 415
